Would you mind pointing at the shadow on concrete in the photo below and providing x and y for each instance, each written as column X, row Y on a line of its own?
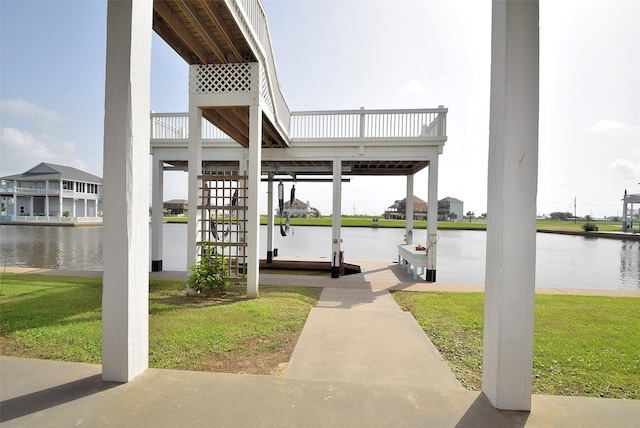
column 40, row 400
column 341, row 298
column 482, row 414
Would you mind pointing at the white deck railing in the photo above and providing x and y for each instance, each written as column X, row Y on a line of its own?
column 52, row 219
column 325, row 125
column 175, row 126
column 256, row 16
column 368, row 124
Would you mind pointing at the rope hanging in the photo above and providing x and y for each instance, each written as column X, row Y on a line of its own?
column 285, row 229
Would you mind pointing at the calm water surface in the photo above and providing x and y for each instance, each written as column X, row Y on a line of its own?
column 562, row 261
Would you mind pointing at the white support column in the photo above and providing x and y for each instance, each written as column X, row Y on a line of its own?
column 157, row 190
column 14, row 197
column 195, row 169
column 46, row 198
column 511, row 213
column 61, row 199
column 624, row 211
column 270, row 221
column 125, row 295
column 432, row 220
column 336, row 221
column 253, row 201
column 408, row 233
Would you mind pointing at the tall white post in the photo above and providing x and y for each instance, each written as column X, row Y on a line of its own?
column 46, row 198
column 253, row 202
column 270, row 221
column 61, row 198
column 336, row 221
column 432, row 220
column 125, row 295
column 408, row 233
column 511, row 211
column 157, row 190
column 193, row 195
column 624, row 211
column 14, row 198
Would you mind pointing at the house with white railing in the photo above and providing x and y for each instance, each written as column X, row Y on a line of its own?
column 297, row 209
column 51, row 193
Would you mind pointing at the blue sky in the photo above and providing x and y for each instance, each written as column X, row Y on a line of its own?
column 345, row 55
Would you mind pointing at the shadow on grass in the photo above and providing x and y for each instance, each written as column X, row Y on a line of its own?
column 49, row 305
column 165, row 298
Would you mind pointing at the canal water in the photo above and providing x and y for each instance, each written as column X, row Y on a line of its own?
column 562, row 261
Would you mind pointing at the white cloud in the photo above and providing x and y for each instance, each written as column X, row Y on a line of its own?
column 22, row 150
column 626, row 170
column 606, row 125
column 414, row 87
column 45, row 118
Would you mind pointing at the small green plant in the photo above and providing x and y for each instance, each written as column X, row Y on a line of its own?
column 589, row 227
column 208, row 273
column 66, row 213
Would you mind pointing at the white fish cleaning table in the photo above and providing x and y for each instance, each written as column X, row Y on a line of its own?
column 413, row 258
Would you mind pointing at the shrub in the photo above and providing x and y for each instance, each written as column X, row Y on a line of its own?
column 589, row 227
column 208, row 273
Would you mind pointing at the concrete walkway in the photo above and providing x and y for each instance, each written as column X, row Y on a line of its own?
column 362, row 336
column 360, row 362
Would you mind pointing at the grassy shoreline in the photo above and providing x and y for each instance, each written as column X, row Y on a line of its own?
column 551, row 226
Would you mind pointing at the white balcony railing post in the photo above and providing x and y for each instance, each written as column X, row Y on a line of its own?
column 322, row 125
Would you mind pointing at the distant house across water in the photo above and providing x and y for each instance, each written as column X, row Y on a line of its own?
column 51, row 193
column 298, row 209
column 398, row 211
column 449, row 209
column 175, row 207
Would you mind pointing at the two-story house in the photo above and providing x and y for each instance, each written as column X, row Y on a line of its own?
column 398, row 211
column 298, row 209
column 51, row 191
column 449, row 209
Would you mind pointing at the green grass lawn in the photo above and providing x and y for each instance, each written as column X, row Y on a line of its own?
column 583, row 345
column 59, row 318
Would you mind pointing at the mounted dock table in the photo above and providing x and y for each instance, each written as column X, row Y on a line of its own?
column 413, row 258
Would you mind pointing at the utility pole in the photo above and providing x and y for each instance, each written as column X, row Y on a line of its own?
column 575, row 216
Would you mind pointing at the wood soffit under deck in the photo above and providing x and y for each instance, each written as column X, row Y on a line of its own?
column 205, row 32
column 318, row 168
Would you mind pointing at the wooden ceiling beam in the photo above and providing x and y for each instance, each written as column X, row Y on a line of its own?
column 228, row 124
column 173, row 22
column 269, row 134
column 188, row 8
column 167, row 34
column 214, row 16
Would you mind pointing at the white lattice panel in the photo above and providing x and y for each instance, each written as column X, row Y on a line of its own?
column 221, row 78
